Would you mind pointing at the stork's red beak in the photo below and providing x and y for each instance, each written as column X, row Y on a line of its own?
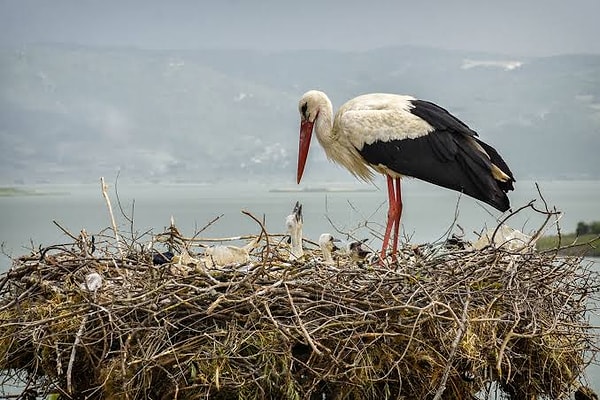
column 306, row 128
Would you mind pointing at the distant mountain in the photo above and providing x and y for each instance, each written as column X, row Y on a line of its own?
column 72, row 114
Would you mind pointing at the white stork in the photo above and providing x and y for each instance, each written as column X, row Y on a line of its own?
column 399, row 136
column 327, row 245
column 356, row 250
column 293, row 223
column 223, row 255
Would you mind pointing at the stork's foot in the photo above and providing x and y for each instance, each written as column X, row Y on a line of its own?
column 384, row 258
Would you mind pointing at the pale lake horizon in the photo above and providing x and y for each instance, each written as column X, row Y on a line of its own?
column 346, row 209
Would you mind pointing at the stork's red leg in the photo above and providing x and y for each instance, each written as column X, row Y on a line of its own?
column 397, row 214
column 394, row 212
column 390, row 219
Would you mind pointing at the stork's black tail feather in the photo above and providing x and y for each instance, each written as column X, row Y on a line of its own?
column 498, row 161
column 480, row 183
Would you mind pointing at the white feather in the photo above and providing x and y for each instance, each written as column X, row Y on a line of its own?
column 93, row 282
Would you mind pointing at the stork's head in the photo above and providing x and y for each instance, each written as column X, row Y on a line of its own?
column 327, row 242
column 311, row 105
column 357, row 251
column 294, row 221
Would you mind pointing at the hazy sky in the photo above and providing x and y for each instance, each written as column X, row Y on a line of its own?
column 520, row 27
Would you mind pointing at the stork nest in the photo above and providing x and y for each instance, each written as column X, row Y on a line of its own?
column 438, row 323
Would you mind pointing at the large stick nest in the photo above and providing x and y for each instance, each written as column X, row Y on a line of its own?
column 438, row 323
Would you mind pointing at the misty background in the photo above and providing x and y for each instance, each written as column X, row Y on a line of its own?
column 189, row 91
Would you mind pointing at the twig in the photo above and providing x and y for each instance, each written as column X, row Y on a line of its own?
column 459, row 334
column 120, row 205
column 263, row 231
column 112, row 217
column 206, row 226
column 301, row 325
column 73, row 351
column 503, row 220
column 66, row 232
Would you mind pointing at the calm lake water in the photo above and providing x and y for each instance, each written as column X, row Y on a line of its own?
column 428, row 212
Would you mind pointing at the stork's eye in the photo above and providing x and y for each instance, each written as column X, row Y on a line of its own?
column 303, row 109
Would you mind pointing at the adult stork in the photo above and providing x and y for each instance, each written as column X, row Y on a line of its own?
column 397, row 136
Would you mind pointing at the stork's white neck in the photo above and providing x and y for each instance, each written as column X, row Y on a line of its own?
column 327, row 257
column 296, row 250
column 324, row 121
column 333, row 140
column 295, row 232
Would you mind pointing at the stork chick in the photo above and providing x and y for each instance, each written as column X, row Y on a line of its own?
column 293, row 223
column 228, row 255
column 356, row 250
column 327, row 245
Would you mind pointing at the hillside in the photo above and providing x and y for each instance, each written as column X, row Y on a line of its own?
column 70, row 114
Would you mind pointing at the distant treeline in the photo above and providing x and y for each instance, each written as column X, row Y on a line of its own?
column 584, row 241
column 586, row 229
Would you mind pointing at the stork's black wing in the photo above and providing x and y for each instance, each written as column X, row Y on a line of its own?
column 447, row 156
